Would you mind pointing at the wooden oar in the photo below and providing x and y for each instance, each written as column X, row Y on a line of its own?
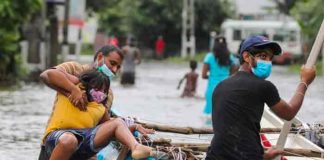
column 310, row 62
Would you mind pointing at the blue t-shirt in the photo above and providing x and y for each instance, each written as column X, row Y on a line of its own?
column 217, row 72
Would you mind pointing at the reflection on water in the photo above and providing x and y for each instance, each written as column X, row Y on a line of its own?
column 24, row 112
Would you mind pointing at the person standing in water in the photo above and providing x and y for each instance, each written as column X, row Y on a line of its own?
column 132, row 58
column 159, row 48
column 218, row 65
column 191, row 81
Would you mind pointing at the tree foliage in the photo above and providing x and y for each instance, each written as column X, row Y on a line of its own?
column 285, row 6
column 309, row 14
column 13, row 13
column 146, row 19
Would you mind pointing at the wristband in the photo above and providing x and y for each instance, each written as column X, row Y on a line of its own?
column 300, row 93
column 304, row 84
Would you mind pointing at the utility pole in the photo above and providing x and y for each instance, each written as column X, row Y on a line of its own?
column 188, row 29
column 65, row 45
column 42, row 47
column 53, row 29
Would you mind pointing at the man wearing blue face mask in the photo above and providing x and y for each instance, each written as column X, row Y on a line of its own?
column 238, row 103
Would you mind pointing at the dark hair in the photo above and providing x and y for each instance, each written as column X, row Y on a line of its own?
column 131, row 41
column 221, row 51
column 94, row 79
column 107, row 49
column 193, row 64
column 239, row 52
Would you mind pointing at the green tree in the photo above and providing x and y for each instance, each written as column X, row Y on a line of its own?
column 309, row 14
column 146, row 19
column 13, row 13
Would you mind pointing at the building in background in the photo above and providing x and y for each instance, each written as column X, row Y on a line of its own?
column 261, row 17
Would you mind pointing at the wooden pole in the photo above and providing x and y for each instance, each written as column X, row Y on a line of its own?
column 310, row 62
column 301, row 152
column 175, row 129
column 316, row 47
column 287, row 151
column 192, row 130
column 203, row 147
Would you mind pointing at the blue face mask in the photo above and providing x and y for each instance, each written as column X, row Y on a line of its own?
column 105, row 70
column 262, row 69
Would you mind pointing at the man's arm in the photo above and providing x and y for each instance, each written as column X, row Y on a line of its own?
column 65, row 84
column 137, row 56
column 59, row 81
column 271, row 153
column 289, row 110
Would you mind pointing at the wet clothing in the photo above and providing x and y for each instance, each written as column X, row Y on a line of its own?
column 85, row 149
column 191, row 83
column 217, row 73
column 128, row 66
column 238, row 104
column 66, row 115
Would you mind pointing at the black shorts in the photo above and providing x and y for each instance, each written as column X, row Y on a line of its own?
column 128, row 78
column 85, row 148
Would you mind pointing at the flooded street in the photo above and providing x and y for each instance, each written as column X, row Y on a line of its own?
column 154, row 98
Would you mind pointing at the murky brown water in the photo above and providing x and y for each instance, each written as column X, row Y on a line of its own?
column 24, row 112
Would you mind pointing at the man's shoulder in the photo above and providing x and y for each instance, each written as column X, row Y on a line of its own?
column 73, row 64
column 249, row 79
column 73, row 67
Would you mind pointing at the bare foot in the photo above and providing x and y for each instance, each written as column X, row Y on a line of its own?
column 141, row 151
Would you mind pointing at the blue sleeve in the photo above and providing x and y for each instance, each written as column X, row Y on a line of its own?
column 234, row 60
column 208, row 58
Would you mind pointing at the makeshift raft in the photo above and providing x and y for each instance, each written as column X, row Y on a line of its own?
column 190, row 143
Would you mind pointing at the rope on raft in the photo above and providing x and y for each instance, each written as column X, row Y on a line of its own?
column 183, row 151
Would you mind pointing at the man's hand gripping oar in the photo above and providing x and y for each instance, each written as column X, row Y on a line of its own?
column 309, row 64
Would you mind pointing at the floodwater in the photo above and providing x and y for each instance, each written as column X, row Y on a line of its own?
column 24, row 112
